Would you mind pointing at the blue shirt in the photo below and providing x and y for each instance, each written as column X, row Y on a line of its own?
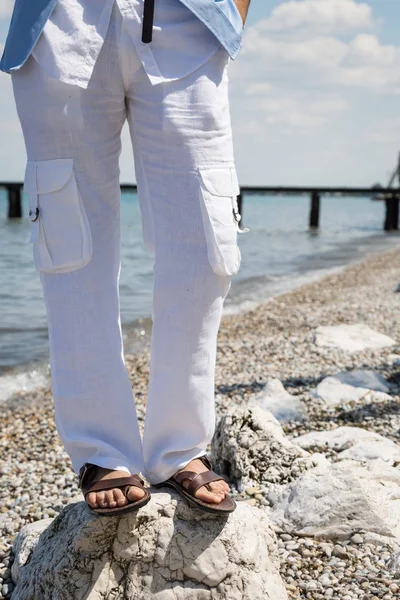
column 30, row 16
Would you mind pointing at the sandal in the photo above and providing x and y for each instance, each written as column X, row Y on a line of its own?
column 197, row 480
column 88, row 483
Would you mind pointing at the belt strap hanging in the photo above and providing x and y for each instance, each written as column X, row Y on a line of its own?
column 148, row 20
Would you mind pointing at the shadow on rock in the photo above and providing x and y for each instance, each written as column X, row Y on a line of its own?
column 165, row 551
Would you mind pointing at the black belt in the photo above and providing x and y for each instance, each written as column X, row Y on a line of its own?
column 148, row 20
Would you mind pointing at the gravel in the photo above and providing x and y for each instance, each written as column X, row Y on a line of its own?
column 275, row 340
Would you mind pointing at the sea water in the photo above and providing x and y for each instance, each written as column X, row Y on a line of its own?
column 278, row 253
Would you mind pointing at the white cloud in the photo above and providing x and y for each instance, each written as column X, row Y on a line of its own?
column 321, row 15
column 311, row 87
column 295, row 111
column 297, row 46
column 6, row 8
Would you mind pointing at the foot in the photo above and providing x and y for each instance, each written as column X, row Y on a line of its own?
column 115, row 497
column 213, row 492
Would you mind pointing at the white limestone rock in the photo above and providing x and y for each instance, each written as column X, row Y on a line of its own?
column 284, row 406
column 334, row 393
column 351, row 338
column 352, row 443
column 249, row 446
column 25, row 543
column 364, row 378
column 337, row 500
column 353, row 386
column 165, row 551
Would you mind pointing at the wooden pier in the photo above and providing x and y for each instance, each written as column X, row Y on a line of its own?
column 390, row 196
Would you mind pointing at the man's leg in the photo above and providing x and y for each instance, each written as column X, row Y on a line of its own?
column 73, row 144
column 187, row 186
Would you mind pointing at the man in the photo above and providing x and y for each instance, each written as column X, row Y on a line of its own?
column 79, row 69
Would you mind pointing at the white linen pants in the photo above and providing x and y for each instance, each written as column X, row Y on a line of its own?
column 187, row 188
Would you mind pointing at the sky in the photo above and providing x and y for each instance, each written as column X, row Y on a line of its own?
column 315, row 95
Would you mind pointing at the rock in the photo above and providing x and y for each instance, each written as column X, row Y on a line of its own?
column 252, row 491
column 394, row 565
column 364, row 378
column 352, row 338
column 249, row 446
column 352, row 443
column 327, row 549
column 338, row 500
column 166, row 551
column 25, row 543
column 394, row 359
column 353, row 386
column 280, row 403
column 333, row 393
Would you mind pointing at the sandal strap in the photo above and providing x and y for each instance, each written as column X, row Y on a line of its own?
column 197, row 480
column 180, row 477
column 202, row 479
column 124, row 483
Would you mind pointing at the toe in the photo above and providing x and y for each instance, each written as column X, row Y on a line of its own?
column 91, row 499
column 214, row 493
column 208, row 496
column 120, row 498
column 218, row 487
column 110, row 499
column 134, row 493
column 101, row 499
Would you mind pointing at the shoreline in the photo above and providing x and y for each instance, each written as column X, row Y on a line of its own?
column 256, row 287
column 32, row 376
column 228, row 323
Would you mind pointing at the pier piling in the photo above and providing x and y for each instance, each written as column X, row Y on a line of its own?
column 315, row 210
column 392, row 213
column 14, row 201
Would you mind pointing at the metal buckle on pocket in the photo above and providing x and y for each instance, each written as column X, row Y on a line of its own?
column 36, row 213
column 237, row 216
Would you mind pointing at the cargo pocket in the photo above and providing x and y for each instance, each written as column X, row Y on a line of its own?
column 218, row 200
column 60, row 231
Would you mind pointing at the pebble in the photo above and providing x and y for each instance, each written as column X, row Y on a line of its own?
column 339, row 552
column 357, row 538
column 251, row 502
column 273, row 340
column 252, row 491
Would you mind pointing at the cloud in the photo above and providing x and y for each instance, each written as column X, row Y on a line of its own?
column 321, row 15
column 297, row 46
column 311, row 88
column 6, row 8
column 293, row 111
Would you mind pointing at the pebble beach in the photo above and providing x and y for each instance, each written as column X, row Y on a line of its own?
column 275, row 340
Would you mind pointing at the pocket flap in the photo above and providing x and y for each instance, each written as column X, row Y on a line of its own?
column 221, row 181
column 46, row 176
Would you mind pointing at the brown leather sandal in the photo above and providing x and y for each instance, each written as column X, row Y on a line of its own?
column 87, row 483
column 197, row 480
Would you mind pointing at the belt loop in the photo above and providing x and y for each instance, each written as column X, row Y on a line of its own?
column 148, row 20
